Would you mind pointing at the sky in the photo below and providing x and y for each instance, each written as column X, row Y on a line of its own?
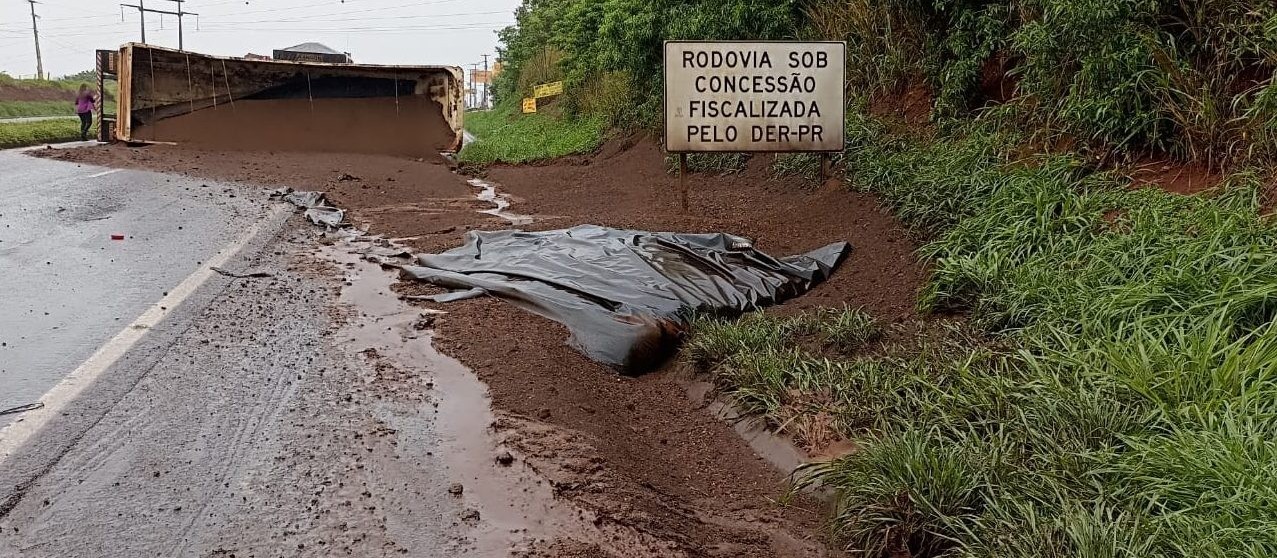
column 427, row 32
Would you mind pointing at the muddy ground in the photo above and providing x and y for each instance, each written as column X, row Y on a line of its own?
column 653, row 469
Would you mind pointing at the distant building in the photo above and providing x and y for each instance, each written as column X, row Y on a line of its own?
column 313, row 52
column 251, row 56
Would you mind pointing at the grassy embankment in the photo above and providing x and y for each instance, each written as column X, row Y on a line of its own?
column 506, row 135
column 1109, row 388
column 19, row 109
column 22, row 134
column 29, row 97
column 1113, row 391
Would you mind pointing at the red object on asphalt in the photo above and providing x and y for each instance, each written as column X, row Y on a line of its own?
column 117, row 237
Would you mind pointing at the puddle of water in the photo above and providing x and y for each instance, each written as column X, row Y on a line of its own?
column 488, row 193
column 515, row 506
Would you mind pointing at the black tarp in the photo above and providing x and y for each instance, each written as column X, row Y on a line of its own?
column 626, row 296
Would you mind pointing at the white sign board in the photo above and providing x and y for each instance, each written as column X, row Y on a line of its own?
column 754, row 96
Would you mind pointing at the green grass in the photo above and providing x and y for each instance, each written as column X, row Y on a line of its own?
column 16, row 109
column 721, row 164
column 509, row 137
column 1116, row 397
column 23, row 134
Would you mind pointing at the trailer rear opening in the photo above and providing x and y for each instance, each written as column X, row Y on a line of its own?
column 168, row 96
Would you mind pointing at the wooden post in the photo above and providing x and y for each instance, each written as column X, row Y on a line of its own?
column 682, row 180
column 825, row 170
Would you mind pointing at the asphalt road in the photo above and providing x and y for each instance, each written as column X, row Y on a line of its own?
column 299, row 412
column 68, row 287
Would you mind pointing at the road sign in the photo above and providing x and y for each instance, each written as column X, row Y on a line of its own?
column 529, row 105
column 754, row 96
column 548, row 90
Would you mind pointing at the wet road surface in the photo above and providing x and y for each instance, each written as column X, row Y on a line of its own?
column 302, row 411
column 68, row 286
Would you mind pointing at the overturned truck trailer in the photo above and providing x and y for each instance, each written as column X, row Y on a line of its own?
column 169, row 96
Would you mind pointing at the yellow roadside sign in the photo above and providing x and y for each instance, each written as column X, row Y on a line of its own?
column 548, row 90
column 529, row 105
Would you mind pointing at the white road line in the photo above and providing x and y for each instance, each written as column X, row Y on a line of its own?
column 104, row 173
column 56, row 399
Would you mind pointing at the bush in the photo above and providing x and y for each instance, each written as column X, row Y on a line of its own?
column 1191, row 79
column 592, row 39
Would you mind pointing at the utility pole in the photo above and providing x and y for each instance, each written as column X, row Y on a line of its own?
column 35, row 31
column 142, row 10
column 487, row 81
column 474, row 93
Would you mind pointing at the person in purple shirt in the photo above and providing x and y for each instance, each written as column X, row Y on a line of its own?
column 84, row 101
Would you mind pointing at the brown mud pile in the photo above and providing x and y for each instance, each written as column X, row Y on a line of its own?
column 410, row 126
column 640, row 454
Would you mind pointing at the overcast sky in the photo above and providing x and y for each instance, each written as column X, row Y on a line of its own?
column 451, row 32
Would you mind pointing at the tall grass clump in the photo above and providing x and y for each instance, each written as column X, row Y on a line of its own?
column 1117, row 398
column 710, row 163
column 504, row 135
column 1192, row 80
column 883, row 39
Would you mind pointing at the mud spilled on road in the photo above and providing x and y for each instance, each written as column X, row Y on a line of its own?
column 648, row 471
column 411, row 126
column 509, row 507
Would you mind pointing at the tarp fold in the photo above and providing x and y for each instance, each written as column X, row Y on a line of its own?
column 626, row 296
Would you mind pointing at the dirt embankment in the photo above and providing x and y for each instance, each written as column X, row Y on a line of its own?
column 12, row 92
column 639, row 453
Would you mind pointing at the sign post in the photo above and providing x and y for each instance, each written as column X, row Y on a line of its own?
column 754, row 97
column 682, row 180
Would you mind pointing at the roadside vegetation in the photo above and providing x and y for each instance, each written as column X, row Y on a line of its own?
column 19, row 109
column 22, row 134
column 1111, row 393
column 1106, row 383
column 505, row 135
column 32, row 97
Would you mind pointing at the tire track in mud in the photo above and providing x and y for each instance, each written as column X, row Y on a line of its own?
column 177, row 401
column 223, row 443
column 266, row 410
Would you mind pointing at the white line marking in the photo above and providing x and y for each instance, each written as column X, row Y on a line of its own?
column 104, row 173
column 56, row 399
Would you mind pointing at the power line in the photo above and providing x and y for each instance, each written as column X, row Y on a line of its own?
column 300, row 19
column 311, row 19
column 142, row 10
column 408, row 5
column 383, row 30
